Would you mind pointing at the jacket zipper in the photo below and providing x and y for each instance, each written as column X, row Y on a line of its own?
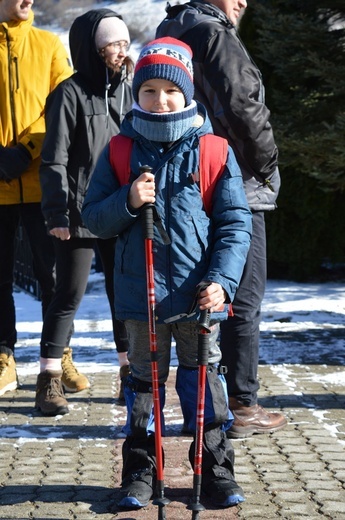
column 13, row 83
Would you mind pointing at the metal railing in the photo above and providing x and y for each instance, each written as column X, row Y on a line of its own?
column 23, row 271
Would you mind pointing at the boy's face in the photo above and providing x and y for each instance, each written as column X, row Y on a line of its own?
column 159, row 96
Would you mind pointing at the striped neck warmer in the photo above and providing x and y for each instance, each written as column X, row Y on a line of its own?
column 165, row 128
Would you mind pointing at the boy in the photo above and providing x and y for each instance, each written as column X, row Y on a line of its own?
column 165, row 125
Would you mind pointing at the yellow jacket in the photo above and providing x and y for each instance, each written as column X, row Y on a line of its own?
column 32, row 63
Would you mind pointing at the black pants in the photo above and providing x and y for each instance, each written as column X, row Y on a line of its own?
column 43, row 262
column 106, row 249
column 73, row 263
column 240, row 334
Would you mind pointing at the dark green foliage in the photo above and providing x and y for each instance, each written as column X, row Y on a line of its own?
column 300, row 49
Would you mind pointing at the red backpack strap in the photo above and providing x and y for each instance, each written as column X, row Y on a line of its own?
column 120, row 149
column 213, row 157
column 212, row 160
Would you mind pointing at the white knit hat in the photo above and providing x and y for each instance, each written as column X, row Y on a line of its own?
column 111, row 29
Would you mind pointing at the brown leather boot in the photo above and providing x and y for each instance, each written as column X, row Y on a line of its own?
column 253, row 419
column 49, row 394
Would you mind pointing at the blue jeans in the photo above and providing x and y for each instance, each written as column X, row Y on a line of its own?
column 239, row 341
column 43, row 262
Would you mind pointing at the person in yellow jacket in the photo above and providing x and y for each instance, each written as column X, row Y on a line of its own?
column 32, row 63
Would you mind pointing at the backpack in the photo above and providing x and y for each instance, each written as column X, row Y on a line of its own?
column 213, row 155
column 212, row 160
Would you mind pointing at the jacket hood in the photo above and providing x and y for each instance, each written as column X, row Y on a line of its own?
column 195, row 13
column 85, row 58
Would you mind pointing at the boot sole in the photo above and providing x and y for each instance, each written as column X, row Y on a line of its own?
column 8, row 388
column 231, row 501
column 63, row 410
column 132, row 503
column 241, row 433
column 74, row 390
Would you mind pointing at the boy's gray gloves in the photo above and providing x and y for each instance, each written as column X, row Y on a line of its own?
column 13, row 161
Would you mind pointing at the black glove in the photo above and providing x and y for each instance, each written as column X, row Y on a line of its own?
column 13, row 161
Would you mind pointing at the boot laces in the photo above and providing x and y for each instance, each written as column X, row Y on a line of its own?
column 139, row 476
column 68, row 366
column 3, row 366
column 54, row 388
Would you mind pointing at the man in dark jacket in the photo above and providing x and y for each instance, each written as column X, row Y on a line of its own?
column 229, row 84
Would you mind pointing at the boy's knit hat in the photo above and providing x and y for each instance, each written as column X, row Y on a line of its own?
column 165, row 58
column 110, row 29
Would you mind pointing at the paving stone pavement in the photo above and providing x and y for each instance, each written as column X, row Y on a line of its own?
column 69, row 467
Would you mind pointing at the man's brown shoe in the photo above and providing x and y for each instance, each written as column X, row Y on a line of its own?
column 253, row 419
column 49, row 394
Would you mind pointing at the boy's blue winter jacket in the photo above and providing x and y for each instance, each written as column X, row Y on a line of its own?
column 202, row 248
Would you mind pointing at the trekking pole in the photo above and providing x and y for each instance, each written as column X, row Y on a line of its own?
column 147, row 215
column 203, row 348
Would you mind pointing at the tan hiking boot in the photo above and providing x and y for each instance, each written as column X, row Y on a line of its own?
column 124, row 372
column 71, row 379
column 49, row 394
column 8, row 375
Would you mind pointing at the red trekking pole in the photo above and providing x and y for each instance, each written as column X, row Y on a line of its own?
column 147, row 215
column 203, row 348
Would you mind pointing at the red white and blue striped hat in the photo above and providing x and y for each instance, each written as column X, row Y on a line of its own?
column 165, row 58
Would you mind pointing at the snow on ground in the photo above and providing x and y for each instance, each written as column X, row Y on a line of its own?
column 301, row 323
column 302, row 339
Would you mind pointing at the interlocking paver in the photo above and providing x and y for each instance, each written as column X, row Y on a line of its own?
column 69, row 468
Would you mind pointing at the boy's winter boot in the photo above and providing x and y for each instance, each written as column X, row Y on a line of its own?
column 71, row 379
column 8, row 375
column 138, row 473
column 218, row 481
column 50, row 398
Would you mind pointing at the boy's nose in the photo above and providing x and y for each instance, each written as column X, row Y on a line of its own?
column 161, row 97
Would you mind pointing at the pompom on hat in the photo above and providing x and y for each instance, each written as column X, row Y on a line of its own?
column 169, row 59
column 111, row 29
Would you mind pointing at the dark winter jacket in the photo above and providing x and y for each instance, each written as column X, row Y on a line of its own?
column 202, row 248
column 81, row 116
column 229, row 84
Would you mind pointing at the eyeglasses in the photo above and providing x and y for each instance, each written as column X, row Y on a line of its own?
column 118, row 46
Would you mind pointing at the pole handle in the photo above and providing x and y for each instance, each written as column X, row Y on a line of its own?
column 203, row 344
column 147, row 211
column 204, row 320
